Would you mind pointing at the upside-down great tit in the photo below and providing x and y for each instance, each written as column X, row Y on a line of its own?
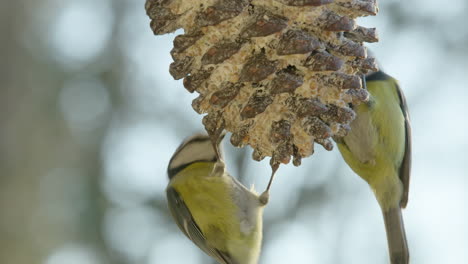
column 378, row 148
column 214, row 210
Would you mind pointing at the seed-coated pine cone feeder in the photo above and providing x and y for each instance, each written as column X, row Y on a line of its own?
column 278, row 74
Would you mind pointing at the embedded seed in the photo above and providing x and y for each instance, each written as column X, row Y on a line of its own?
column 154, row 4
column 297, row 42
column 194, row 81
column 221, row 11
column 286, row 81
column 227, row 92
column 220, row 52
column 326, row 144
column 316, row 127
column 344, row 81
column 358, row 95
column 280, row 131
column 257, row 104
column 351, row 48
column 308, row 107
column 257, row 68
column 214, row 124
column 364, row 7
column 367, row 65
column 264, row 24
column 343, row 130
column 159, row 12
column 323, row 61
column 163, row 20
column 240, row 137
column 181, row 68
column 257, row 155
column 306, row 2
column 196, row 104
column 282, row 154
column 296, row 156
column 182, row 42
column 362, row 34
column 331, row 21
column 337, row 114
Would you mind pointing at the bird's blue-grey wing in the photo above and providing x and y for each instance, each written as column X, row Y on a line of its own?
column 189, row 227
column 405, row 167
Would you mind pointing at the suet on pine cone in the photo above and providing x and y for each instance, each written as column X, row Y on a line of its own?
column 278, row 74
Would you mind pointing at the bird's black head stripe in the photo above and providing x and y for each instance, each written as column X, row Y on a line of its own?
column 377, row 76
column 172, row 172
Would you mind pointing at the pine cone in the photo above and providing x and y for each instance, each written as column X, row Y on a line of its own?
column 278, row 74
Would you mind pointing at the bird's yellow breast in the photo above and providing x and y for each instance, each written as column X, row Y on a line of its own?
column 374, row 148
column 212, row 202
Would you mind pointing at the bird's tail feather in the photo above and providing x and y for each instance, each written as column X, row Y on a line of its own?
column 396, row 237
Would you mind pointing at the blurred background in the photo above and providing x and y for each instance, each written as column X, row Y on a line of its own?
column 89, row 117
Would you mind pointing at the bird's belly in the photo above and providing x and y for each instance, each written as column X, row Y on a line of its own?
column 361, row 140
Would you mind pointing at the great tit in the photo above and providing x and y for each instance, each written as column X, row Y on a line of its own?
column 378, row 148
column 214, row 210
